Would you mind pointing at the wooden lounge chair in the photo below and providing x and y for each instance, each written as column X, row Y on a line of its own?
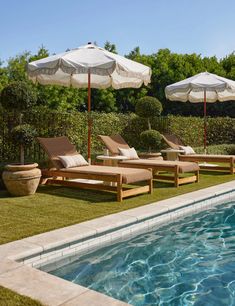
column 160, row 167
column 175, row 142
column 112, row 178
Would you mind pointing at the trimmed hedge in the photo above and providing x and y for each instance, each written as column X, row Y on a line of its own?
column 223, row 149
column 74, row 125
column 220, row 130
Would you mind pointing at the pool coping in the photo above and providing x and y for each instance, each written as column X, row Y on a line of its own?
column 20, row 260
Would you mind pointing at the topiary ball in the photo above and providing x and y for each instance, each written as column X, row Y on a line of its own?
column 151, row 140
column 148, row 107
column 18, row 96
column 23, row 134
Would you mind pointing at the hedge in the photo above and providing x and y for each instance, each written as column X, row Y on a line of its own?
column 220, row 130
column 74, row 125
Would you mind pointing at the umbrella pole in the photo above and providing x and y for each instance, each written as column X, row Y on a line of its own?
column 205, row 121
column 89, row 119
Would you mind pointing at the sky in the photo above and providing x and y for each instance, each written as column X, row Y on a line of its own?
column 184, row 26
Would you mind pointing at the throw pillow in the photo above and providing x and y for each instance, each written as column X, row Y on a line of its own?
column 129, row 153
column 187, row 150
column 70, row 161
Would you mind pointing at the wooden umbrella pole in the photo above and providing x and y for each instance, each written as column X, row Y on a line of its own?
column 205, row 127
column 89, row 119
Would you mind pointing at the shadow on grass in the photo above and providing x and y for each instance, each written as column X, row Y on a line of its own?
column 90, row 196
column 214, row 173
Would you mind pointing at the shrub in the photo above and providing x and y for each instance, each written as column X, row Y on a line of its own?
column 23, row 134
column 148, row 107
column 224, row 149
column 18, row 96
column 151, row 140
column 220, row 130
column 50, row 123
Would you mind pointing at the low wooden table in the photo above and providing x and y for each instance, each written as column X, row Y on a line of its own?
column 172, row 154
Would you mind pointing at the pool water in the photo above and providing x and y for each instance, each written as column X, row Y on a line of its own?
column 188, row 262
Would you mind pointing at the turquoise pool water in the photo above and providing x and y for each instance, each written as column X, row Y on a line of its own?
column 188, row 262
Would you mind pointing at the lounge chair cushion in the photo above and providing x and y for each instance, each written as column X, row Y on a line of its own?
column 57, row 146
column 187, row 150
column 70, row 161
column 151, row 163
column 113, row 143
column 128, row 175
column 129, row 153
column 173, row 141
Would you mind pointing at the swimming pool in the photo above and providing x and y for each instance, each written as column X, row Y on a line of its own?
column 188, row 262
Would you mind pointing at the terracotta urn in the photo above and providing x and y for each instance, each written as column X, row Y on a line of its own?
column 21, row 180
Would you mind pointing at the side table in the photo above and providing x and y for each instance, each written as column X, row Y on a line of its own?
column 172, row 154
column 111, row 160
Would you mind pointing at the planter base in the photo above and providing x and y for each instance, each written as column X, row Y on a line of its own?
column 21, row 180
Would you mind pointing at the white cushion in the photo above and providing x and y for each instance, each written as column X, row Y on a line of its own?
column 187, row 150
column 129, row 153
column 70, row 161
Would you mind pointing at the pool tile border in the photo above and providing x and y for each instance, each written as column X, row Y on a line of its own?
column 20, row 260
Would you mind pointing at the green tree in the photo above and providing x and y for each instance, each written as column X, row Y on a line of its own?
column 3, row 76
column 110, row 47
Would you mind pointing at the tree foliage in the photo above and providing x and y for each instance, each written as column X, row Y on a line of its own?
column 167, row 67
column 23, row 134
column 148, row 107
column 151, row 140
column 18, row 96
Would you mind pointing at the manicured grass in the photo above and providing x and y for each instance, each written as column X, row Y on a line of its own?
column 55, row 206
column 10, row 298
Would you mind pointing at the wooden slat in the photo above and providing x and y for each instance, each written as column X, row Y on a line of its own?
column 189, row 179
column 172, row 179
column 216, row 168
column 164, row 177
column 205, row 159
column 121, row 192
column 135, row 191
column 81, row 185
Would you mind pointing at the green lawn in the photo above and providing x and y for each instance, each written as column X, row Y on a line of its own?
column 55, row 206
column 10, row 298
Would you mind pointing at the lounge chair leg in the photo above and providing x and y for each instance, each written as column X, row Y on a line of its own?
column 231, row 166
column 43, row 181
column 119, row 188
column 151, row 181
column 197, row 175
column 151, row 186
column 176, row 176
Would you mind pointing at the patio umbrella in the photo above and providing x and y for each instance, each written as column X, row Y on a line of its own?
column 92, row 67
column 203, row 87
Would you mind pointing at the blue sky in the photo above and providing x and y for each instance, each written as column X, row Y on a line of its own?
column 185, row 26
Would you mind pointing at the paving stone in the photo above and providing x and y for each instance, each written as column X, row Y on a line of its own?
column 93, row 298
column 46, row 288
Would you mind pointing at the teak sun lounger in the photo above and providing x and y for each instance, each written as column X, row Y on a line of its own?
column 159, row 167
column 175, row 142
column 112, row 178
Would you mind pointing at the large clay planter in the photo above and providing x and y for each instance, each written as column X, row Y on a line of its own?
column 21, row 180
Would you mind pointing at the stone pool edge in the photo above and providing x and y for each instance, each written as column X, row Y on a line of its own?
column 20, row 260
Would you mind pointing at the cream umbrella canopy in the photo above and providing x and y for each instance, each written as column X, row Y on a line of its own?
column 89, row 67
column 203, row 87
